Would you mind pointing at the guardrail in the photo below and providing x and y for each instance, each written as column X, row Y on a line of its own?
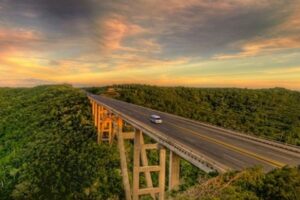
column 281, row 145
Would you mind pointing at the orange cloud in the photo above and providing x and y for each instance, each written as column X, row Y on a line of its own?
column 286, row 36
column 14, row 41
column 18, row 34
column 292, row 23
column 115, row 30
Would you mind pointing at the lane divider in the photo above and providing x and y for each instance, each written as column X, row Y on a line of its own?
column 232, row 147
column 228, row 146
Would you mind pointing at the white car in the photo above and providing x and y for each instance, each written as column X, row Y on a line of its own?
column 156, row 119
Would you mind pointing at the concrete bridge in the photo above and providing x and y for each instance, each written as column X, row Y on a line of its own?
column 207, row 147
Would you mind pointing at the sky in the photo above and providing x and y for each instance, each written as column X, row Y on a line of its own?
column 198, row 43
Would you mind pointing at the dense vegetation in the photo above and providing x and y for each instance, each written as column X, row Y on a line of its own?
column 48, row 148
column 250, row 184
column 269, row 113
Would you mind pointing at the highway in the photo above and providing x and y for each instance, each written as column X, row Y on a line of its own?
column 231, row 150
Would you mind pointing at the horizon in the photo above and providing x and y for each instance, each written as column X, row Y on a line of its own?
column 150, row 85
column 249, row 44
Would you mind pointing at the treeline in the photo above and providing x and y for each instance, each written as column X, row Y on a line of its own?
column 268, row 113
column 48, row 148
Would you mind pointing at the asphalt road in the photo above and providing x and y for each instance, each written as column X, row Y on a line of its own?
column 228, row 149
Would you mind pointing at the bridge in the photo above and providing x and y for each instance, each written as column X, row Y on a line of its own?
column 208, row 147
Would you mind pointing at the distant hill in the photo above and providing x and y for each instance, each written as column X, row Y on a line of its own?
column 267, row 113
column 48, row 147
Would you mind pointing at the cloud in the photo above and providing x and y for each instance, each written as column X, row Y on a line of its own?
column 281, row 36
column 55, row 9
column 211, row 28
column 75, row 40
column 114, row 29
column 285, row 70
column 30, row 82
column 17, row 38
column 263, row 46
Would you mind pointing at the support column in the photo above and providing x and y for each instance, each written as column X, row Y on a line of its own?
column 100, row 124
column 136, row 165
column 162, row 173
column 110, row 130
column 96, row 114
column 124, row 168
column 93, row 108
column 174, row 171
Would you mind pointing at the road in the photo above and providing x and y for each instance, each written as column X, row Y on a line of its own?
column 232, row 151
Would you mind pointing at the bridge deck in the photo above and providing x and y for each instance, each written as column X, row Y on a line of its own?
column 230, row 150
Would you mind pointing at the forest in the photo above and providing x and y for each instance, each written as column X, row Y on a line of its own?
column 48, row 146
column 249, row 184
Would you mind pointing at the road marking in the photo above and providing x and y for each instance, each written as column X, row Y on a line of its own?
column 229, row 146
column 237, row 161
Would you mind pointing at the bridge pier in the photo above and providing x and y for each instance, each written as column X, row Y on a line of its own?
column 103, row 121
column 108, row 126
column 99, row 125
column 140, row 155
column 124, row 169
column 174, row 171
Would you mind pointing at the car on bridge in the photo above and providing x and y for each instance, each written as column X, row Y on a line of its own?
column 155, row 119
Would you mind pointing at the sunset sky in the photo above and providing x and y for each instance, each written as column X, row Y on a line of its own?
column 203, row 43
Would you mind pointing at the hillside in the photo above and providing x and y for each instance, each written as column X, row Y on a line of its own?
column 48, row 148
column 267, row 113
column 250, row 184
column 48, row 144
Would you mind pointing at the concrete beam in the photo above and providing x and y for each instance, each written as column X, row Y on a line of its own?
column 128, row 135
column 153, row 168
column 144, row 191
column 150, row 146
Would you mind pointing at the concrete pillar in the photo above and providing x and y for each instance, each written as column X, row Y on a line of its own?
column 110, row 131
column 162, row 173
column 136, row 165
column 174, row 171
column 124, row 169
column 93, row 108
column 96, row 114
